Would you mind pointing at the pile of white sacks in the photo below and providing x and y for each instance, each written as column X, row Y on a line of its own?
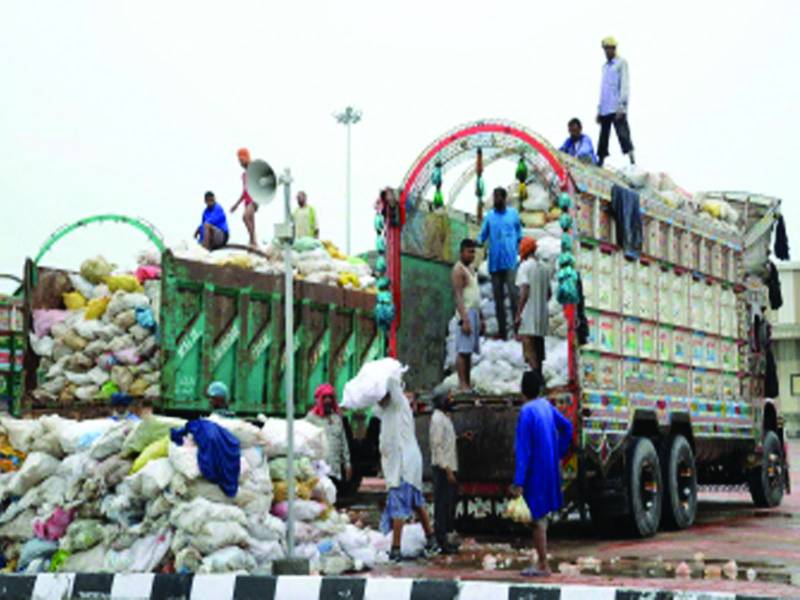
column 498, row 369
column 313, row 261
column 76, row 504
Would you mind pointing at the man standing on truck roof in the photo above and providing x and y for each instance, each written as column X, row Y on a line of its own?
column 401, row 463
column 250, row 207
column 543, row 438
column 305, row 218
column 468, row 310
column 503, row 229
column 533, row 281
column 613, row 106
column 578, row 144
column 213, row 230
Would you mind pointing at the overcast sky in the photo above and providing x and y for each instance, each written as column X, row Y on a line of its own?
column 138, row 107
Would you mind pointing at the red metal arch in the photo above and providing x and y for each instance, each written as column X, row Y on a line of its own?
column 393, row 234
column 475, row 129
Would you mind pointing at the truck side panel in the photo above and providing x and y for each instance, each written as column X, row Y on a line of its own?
column 226, row 324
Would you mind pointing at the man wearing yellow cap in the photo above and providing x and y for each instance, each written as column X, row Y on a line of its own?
column 613, row 107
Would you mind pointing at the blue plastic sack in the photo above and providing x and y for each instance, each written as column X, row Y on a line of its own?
column 145, row 318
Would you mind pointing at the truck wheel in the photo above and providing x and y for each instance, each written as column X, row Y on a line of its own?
column 680, row 479
column 644, row 488
column 766, row 482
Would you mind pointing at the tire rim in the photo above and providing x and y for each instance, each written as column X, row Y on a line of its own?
column 648, row 488
column 685, row 482
column 774, row 470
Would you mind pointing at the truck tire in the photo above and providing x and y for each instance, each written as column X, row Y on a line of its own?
column 766, row 482
column 680, row 485
column 644, row 488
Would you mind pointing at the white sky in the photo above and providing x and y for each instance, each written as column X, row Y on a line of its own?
column 138, row 107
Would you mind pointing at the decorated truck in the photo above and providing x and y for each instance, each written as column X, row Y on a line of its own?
column 668, row 385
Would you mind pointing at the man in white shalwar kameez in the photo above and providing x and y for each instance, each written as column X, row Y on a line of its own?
column 401, row 461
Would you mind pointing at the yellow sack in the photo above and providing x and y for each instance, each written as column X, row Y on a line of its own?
column 96, row 307
column 126, row 283
column 346, row 277
column 333, row 250
column 554, row 214
column 518, row 511
column 157, row 449
column 302, row 490
column 138, row 388
column 713, row 207
column 243, row 261
column 74, row 300
column 533, row 220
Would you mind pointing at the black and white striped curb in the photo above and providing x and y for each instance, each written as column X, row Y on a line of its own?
column 85, row 586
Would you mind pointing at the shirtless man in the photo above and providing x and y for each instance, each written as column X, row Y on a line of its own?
column 250, row 207
column 468, row 310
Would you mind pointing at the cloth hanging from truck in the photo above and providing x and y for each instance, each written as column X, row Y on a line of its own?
column 781, row 240
column 582, row 324
column 626, row 211
column 771, row 386
column 774, row 285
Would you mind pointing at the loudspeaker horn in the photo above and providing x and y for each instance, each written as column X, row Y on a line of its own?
column 262, row 182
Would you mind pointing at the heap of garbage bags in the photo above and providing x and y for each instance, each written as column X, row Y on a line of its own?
column 313, row 260
column 126, row 494
column 101, row 342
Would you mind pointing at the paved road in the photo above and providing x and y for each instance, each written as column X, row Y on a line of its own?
column 728, row 527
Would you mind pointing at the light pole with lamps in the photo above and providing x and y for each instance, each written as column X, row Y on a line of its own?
column 349, row 116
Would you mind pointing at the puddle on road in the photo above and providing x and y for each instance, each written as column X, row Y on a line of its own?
column 506, row 558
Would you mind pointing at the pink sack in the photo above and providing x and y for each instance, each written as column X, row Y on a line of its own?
column 127, row 356
column 147, row 272
column 281, row 510
column 44, row 319
column 54, row 527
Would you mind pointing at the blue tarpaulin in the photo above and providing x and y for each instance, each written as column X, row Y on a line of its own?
column 218, row 453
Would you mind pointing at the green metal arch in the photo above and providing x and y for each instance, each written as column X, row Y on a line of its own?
column 135, row 222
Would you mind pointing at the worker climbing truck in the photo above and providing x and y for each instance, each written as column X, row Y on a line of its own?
column 669, row 377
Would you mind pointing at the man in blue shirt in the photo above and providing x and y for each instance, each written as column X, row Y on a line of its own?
column 543, row 437
column 577, row 144
column 213, row 230
column 613, row 107
column 503, row 229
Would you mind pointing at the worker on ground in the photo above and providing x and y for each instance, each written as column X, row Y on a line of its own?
column 613, row 107
column 543, row 438
column 213, row 230
column 401, row 462
column 217, row 393
column 250, row 207
column 305, row 218
column 578, row 144
column 444, row 464
column 468, row 311
column 503, row 229
column 533, row 281
column 327, row 415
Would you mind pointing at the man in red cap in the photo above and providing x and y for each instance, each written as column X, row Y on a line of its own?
column 533, row 281
column 250, row 207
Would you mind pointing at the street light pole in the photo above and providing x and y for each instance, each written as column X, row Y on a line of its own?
column 348, row 117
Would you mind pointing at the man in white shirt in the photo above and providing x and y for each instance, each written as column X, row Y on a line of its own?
column 533, row 281
column 444, row 464
column 613, row 106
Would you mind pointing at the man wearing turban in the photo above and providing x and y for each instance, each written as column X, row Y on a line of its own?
column 250, row 207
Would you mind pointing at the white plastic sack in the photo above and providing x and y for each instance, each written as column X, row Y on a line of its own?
column 265, row 551
column 42, row 346
column 75, row 436
column 325, row 491
column 265, row 527
column 213, row 535
column 412, row 542
column 309, row 440
column 192, row 515
column 184, row 459
column 228, row 560
column 142, row 557
column 37, row 467
column 152, row 479
column 246, row 433
column 308, row 510
column 21, row 432
column 634, row 175
column 371, row 384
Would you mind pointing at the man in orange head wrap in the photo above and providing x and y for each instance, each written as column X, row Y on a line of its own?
column 533, row 281
column 250, row 207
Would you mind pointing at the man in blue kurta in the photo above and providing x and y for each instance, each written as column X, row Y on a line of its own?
column 503, row 229
column 543, row 438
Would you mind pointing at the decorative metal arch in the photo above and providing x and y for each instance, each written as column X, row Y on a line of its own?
column 494, row 137
column 137, row 222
